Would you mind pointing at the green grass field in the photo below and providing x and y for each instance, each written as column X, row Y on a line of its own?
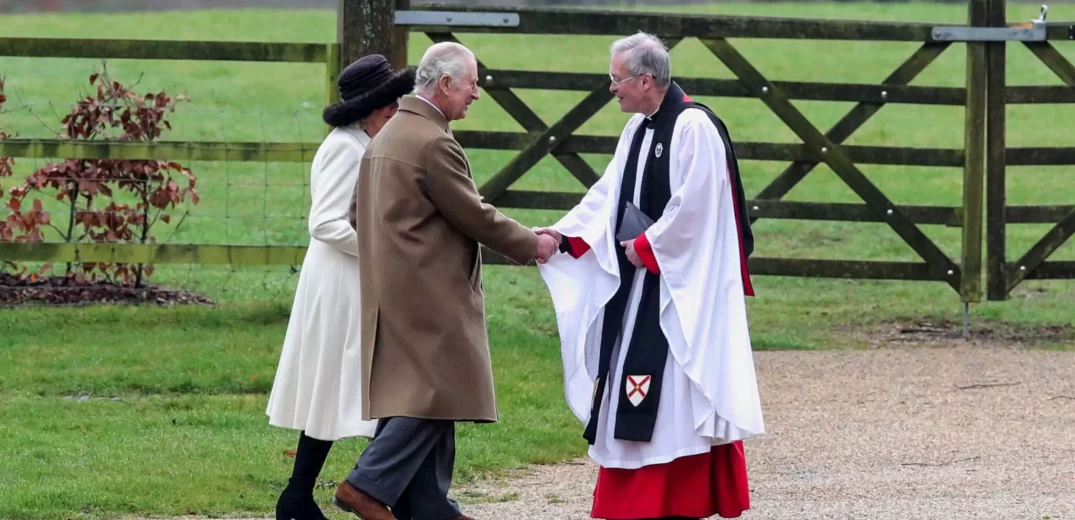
column 109, row 411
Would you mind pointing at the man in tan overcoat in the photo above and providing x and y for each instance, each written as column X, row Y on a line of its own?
column 420, row 225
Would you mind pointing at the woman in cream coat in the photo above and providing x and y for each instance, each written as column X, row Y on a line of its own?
column 318, row 382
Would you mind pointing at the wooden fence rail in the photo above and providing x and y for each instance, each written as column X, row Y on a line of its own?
column 595, row 144
column 165, row 50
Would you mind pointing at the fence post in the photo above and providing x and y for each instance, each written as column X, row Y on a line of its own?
column 368, row 27
column 970, row 289
column 996, row 158
column 332, row 74
column 399, row 51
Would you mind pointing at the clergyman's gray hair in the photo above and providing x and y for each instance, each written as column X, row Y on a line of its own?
column 646, row 54
column 441, row 59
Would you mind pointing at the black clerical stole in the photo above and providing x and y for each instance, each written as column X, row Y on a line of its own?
column 643, row 369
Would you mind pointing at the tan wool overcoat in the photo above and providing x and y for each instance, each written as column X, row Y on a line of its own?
column 420, row 220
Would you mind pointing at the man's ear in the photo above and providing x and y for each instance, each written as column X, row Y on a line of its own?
column 444, row 84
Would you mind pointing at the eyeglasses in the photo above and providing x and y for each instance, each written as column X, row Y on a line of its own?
column 616, row 82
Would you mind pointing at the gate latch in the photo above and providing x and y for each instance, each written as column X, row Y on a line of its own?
column 1031, row 31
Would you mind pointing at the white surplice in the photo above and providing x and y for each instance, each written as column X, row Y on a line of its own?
column 710, row 394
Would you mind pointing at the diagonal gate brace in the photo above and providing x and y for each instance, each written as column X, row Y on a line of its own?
column 940, row 265
column 852, row 121
column 546, row 142
column 530, row 121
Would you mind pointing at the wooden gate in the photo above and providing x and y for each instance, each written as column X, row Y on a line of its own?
column 558, row 139
column 1003, row 276
column 383, row 25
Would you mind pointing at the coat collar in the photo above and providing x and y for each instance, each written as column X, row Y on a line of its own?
column 417, row 106
column 355, row 129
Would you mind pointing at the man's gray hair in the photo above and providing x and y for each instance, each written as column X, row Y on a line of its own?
column 646, row 54
column 441, row 59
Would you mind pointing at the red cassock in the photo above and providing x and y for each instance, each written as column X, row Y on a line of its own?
column 698, row 486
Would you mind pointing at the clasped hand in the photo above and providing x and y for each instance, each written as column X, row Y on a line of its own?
column 548, row 244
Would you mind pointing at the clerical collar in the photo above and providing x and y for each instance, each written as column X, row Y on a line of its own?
column 672, row 97
column 649, row 121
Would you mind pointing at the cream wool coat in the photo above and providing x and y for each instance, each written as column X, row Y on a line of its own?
column 318, row 385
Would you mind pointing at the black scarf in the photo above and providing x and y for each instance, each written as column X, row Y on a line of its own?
column 647, row 353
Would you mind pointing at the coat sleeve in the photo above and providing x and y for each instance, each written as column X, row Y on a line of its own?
column 332, row 198
column 453, row 192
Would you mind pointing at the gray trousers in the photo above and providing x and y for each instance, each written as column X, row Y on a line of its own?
column 408, row 467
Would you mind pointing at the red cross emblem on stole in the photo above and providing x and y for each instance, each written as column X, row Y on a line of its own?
column 637, row 388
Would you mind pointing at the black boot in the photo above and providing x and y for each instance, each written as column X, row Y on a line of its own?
column 297, row 500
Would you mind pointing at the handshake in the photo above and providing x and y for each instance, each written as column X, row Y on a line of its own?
column 548, row 243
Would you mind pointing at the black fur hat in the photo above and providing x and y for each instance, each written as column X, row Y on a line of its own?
column 366, row 85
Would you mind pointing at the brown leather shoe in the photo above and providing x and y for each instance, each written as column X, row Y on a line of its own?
column 360, row 504
column 464, row 517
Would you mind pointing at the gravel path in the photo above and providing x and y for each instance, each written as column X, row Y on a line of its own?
column 956, row 432
column 927, row 432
